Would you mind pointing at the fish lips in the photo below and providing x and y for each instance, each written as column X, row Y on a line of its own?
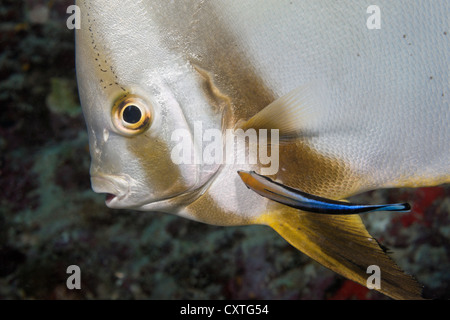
column 116, row 188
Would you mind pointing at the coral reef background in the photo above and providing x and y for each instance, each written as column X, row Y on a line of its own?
column 50, row 218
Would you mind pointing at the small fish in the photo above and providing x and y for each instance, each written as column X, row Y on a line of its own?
column 178, row 98
column 295, row 198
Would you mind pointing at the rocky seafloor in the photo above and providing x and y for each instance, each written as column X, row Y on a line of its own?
column 50, row 218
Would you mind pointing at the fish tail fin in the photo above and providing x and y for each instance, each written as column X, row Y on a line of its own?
column 342, row 244
column 399, row 207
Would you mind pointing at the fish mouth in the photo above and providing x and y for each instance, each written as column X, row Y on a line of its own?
column 109, row 197
column 116, row 188
column 119, row 195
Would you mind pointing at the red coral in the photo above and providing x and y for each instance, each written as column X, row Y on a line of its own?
column 351, row 290
column 424, row 198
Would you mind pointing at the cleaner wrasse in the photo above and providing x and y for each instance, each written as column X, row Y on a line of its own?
column 355, row 108
column 300, row 200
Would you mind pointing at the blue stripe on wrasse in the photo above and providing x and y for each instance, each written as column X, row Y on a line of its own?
column 307, row 202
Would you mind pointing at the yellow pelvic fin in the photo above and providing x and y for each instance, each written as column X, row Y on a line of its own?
column 291, row 114
column 342, row 244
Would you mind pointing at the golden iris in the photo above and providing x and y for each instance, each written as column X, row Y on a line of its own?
column 131, row 115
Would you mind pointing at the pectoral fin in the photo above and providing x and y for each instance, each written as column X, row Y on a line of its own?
column 292, row 114
column 342, row 244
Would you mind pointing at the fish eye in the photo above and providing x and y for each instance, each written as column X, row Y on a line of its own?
column 131, row 115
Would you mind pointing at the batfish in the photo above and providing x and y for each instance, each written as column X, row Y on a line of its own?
column 330, row 98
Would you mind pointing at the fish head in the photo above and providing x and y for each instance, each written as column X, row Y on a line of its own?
column 135, row 93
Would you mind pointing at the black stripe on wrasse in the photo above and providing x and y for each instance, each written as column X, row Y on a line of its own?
column 298, row 199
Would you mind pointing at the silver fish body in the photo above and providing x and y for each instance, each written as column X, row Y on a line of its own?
column 380, row 113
